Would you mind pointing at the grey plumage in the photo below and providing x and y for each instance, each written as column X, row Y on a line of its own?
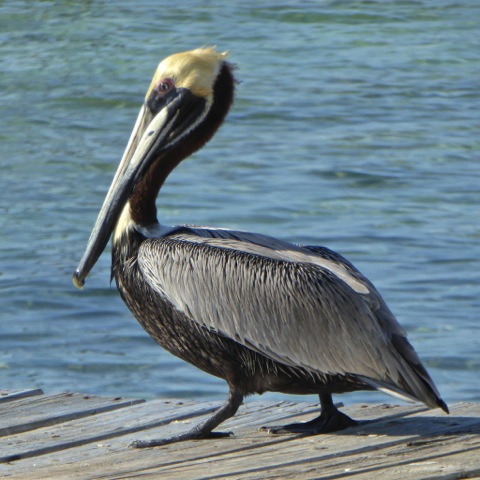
column 299, row 306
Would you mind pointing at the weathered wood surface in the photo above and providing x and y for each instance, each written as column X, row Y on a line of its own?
column 74, row 436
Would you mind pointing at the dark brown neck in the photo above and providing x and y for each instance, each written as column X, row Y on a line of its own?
column 142, row 201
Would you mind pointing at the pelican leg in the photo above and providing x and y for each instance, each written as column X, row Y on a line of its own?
column 330, row 420
column 203, row 429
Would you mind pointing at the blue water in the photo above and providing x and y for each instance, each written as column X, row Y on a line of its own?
column 356, row 126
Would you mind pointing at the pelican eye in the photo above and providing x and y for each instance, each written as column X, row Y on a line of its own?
column 160, row 94
column 164, row 86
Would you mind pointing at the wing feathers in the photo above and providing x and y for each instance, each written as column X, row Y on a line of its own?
column 302, row 314
column 294, row 313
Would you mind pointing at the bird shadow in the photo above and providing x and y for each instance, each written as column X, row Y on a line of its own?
column 406, row 425
column 409, row 423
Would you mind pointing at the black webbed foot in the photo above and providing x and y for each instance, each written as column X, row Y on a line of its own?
column 330, row 420
column 322, row 424
column 204, row 429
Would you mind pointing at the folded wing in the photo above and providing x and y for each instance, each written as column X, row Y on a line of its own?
column 301, row 306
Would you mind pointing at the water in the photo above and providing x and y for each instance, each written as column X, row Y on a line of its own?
column 355, row 127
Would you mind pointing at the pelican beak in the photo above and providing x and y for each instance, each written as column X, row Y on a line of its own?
column 154, row 134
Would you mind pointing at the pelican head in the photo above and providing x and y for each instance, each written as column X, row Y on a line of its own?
column 186, row 102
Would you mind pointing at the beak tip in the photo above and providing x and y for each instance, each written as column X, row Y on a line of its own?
column 77, row 281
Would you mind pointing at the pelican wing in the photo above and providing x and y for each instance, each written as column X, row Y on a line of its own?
column 301, row 306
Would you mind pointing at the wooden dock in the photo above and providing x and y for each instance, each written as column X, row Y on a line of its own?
column 76, row 436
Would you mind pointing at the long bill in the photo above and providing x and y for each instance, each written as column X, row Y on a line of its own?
column 151, row 137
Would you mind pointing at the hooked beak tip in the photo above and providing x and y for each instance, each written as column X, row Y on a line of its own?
column 77, row 281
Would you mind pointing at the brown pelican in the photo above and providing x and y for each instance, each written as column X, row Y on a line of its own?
column 258, row 312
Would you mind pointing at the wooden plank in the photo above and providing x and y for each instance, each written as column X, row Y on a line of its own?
column 95, row 453
column 8, row 396
column 34, row 412
column 172, row 416
column 105, row 425
column 409, row 440
column 339, row 453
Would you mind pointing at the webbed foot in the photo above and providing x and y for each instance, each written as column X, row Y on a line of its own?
column 204, row 429
column 330, row 420
column 325, row 423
